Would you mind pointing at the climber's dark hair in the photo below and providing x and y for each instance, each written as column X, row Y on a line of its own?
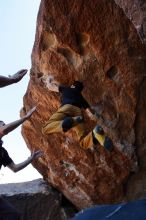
column 78, row 85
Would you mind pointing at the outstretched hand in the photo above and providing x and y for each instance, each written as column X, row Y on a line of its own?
column 30, row 112
column 36, row 154
column 18, row 76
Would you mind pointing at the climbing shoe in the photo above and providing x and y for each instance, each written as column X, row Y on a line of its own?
column 67, row 124
column 99, row 137
column 78, row 119
column 108, row 144
column 98, row 130
column 70, row 122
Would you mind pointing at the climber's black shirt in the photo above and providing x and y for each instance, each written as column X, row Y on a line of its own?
column 72, row 96
column 5, row 160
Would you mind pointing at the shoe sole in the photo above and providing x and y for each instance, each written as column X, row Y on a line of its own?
column 104, row 141
column 100, row 138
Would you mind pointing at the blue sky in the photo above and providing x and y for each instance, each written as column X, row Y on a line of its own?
column 17, row 34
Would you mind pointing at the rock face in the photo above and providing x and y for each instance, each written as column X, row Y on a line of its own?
column 35, row 200
column 136, row 12
column 95, row 42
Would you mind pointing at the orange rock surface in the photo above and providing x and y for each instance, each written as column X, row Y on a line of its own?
column 91, row 41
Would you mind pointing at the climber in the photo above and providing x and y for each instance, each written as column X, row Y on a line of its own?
column 7, row 211
column 5, row 81
column 69, row 115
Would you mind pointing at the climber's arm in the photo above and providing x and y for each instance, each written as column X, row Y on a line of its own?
column 7, row 128
column 17, row 167
column 5, row 81
column 91, row 113
column 95, row 112
column 88, row 109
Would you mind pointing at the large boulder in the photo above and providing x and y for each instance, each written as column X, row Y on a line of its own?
column 36, row 200
column 95, row 42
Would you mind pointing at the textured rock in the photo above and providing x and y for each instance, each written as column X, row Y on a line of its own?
column 136, row 11
column 95, row 42
column 35, row 200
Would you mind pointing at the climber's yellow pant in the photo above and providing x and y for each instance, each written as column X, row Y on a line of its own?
column 54, row 124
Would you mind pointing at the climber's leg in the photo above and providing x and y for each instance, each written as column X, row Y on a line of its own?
column 87, row 141
column 54, row 124
column 80, row 130
column 70, row 122
column 97, row 136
